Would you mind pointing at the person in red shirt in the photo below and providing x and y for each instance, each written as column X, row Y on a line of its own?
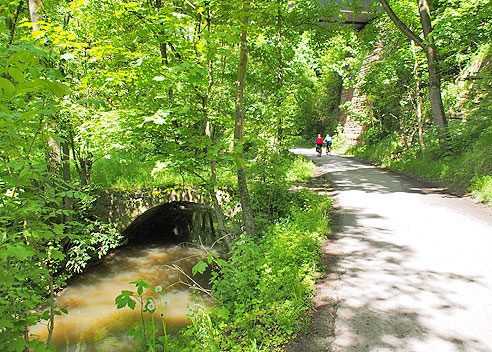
column 319, row 143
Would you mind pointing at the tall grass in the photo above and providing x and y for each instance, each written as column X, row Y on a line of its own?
column 124, row 172
column 300, row 169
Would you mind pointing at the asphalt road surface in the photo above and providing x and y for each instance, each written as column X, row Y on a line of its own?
column 409, row 268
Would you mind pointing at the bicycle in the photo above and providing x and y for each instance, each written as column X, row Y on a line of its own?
column 328, row 148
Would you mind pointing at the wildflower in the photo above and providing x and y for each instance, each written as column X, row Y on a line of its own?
column 150, row 305
column 158, row 289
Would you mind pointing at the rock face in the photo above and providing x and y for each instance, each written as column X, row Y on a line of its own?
column 357, row 108
column 173, row 222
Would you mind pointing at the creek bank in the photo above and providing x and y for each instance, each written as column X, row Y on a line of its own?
column 156, row 228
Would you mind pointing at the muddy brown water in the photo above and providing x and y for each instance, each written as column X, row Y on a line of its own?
column 93, row 322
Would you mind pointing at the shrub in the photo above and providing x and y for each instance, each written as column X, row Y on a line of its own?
column 264, row 290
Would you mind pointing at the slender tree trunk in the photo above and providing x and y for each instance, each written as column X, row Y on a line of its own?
column 53, row 152
column 65, row 159
column 248, row 219
column 208, row 132
column 51, row 321
column 279, row 75
column 434, row 72
column 83, row 165
column 18, row 9
column 438, row 116
column 418, row 99
column 35, row 8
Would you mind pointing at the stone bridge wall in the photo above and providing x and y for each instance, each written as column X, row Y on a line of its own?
column 122, row 208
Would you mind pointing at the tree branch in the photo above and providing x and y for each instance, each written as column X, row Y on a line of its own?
column 402, row 26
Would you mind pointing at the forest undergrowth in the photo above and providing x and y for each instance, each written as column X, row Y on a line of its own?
column 464, row 165
column 264, row 289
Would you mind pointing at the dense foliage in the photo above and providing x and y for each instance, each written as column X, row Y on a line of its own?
column 264, row 292
column 124, row 94
column 394, row 85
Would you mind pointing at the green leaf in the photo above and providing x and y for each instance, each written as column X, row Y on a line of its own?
column 24, row 171
column 7, row 86
column 125, row 299
column 58, row 229
column 39, row 83
column 16, row 74
column 140, row 284
column 199, row 267
column 221, row 262
column 34, row 72
column 19, row 252
column 55, row 254
column 223, row 313
column 59, row 89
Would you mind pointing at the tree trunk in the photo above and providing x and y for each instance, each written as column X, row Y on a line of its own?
column 65, row 158
column 51, row 321
column 279, row 75
column 14, row 22
column 435, row 97
column 248, row 219
column 35, row 8
column 418, row 99
column 208, row 132
column 53, row 153
column 53, row 149
column 83, row 165
column 434, row 72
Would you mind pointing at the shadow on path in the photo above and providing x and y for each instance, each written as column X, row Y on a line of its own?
column 383, row 290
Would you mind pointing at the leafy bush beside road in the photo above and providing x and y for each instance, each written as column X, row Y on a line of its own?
column 264, row 290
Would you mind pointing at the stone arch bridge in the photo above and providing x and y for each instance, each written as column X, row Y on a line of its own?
column 172, row 214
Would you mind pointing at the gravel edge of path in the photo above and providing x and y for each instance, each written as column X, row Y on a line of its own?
column 325, row 299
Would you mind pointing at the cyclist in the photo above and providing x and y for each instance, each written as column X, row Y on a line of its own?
column 319, row 144
column 328, row 142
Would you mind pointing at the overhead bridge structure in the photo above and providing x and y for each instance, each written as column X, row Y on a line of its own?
column 357, row 19
column 355, row 14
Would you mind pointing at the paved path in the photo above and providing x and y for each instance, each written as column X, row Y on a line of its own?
column 410, row 268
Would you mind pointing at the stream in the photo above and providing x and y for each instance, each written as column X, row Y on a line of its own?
column 93, row 322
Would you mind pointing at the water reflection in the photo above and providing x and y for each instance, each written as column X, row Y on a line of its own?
column 94, row 323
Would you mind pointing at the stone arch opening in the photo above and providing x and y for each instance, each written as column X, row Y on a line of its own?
column 173, row 222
